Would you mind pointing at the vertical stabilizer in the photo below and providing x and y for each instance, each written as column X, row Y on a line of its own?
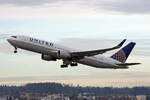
column 123, row 54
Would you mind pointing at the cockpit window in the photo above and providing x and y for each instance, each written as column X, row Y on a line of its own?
column 14, row 36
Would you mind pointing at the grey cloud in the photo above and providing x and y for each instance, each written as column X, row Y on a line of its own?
column 141, row 48
column 88, row 44
column 27, row 2
column 124, row 6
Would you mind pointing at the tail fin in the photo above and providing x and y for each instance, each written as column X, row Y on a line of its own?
column 123, row 54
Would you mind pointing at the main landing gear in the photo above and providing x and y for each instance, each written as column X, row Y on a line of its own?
column 68, row 62
column 73, row 64
column 64, row 66
column 15, row 51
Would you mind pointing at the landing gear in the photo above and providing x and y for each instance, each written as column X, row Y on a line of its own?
column 73, row 64
column 15, row 50
column 67, row 62
column 64, row 66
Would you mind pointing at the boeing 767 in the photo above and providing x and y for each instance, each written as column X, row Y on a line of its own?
column 52, row 52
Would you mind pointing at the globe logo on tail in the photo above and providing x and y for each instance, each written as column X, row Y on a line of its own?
column 120, row 56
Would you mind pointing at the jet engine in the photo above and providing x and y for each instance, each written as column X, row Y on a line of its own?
column 48, row 58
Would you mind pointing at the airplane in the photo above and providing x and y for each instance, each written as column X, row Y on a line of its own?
column 52, row 52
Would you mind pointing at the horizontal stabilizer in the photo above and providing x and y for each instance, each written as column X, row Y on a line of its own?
column 128, row 64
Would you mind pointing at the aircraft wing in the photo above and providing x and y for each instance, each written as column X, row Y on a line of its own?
column 95, row 52
column 128, row 64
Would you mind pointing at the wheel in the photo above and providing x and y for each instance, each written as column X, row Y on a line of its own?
column 15, row 51
column 74, row 64
column 64, row 66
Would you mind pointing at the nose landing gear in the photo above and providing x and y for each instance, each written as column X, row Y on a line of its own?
column 15, row 51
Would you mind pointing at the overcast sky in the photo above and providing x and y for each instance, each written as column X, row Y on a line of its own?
column 78, row 24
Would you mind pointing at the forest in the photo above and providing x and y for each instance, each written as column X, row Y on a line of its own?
column 70, row 90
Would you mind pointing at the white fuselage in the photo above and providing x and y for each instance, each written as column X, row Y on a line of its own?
column 48, row 48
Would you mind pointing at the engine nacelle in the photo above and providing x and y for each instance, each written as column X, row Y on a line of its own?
column 48, row 58
column 63, row 55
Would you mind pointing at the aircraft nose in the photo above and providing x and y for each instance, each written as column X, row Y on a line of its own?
column 9, row 40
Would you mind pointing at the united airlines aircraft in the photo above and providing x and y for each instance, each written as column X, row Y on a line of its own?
column 52, row 52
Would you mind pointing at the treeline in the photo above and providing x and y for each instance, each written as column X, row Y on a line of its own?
column 55, row 88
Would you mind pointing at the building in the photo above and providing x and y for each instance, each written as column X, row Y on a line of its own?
column 141, row 97
column 56, row 97
column 147, row 97
column 3, row 98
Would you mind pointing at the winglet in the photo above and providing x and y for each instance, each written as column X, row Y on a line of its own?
column 119, row 45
